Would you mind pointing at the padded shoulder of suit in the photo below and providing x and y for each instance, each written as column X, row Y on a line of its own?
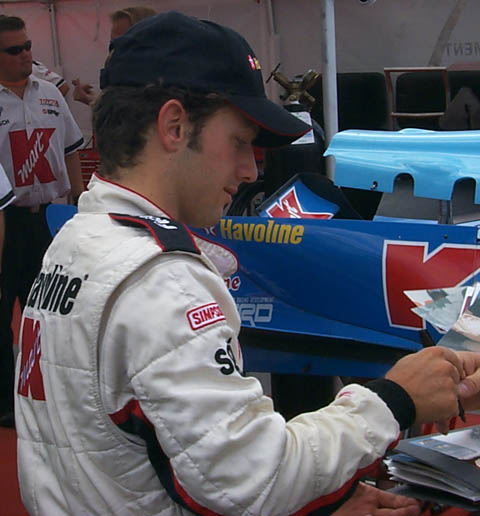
column 168, row 234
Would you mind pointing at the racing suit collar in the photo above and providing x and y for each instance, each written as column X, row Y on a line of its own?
column 106, row 196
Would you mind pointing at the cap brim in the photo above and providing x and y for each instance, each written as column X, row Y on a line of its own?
column 278, row 126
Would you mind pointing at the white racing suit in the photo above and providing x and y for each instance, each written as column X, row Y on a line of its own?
column 130, row 394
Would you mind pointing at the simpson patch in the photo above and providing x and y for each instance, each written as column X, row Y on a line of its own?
column 204, row 315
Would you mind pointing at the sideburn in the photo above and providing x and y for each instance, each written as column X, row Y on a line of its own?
column 194, row 140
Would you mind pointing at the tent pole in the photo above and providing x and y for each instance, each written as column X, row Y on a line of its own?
column 329, row 79
column 53, row 28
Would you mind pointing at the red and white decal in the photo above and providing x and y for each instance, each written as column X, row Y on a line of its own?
column 49, row 102
column 212, row 230
column 28, row 156
column 409, row 266
column 204, row 316
column 233, row 283
column 30, row 379
column 288, row 207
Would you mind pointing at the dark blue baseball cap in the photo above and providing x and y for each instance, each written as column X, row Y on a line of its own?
column 201, row 56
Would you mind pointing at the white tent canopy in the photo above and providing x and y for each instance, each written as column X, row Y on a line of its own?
column 369, row 36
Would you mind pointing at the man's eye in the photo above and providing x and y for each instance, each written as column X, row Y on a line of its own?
column 241, row 142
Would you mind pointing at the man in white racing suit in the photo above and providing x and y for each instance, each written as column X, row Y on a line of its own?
column 130, row 393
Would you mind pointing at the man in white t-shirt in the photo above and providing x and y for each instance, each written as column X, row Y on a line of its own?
column 43, row 72
column 6, row 197
column 6, row 193
column 38, row 143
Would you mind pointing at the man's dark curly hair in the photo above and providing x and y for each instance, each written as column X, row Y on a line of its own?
column 122, row 117
column 11, row 23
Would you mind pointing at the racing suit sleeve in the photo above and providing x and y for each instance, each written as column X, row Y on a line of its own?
column 216, row 442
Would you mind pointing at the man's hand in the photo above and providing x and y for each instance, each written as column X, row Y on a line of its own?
column 431, row 378
column 469, row 387
column 370, row 501
column 83, row 92
column 468, row 390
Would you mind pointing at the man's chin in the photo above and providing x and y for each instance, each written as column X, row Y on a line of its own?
column 27, row 71
column 205, row 223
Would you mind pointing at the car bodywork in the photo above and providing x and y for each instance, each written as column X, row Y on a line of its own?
column 327, row 296
column 322, row 295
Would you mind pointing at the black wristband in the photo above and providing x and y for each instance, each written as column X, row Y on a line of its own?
column 397, row 399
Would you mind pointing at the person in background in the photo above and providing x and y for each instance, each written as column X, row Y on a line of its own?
column 6, row 197
column 42, row 72
column 131, row 397
column 38, row 150
column 121, row 21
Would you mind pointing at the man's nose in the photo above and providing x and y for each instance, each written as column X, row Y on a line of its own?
column 249, row 170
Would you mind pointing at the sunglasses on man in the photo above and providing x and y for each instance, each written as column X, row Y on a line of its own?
column 15, row 50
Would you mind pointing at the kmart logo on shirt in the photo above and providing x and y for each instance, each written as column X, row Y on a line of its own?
column 28, row 156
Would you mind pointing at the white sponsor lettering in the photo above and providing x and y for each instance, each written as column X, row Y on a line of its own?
column 254, row 313
column 161, row 222
column 32, row 359
column 32, row 159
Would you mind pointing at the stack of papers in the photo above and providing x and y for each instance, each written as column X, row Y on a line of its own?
column 445, row 463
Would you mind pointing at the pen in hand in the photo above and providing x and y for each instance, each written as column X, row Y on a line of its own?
column 461, row 411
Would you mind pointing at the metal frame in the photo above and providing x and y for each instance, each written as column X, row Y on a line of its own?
column 390, row 95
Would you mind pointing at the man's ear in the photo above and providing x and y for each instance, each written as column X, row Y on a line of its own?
column 173, row 126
